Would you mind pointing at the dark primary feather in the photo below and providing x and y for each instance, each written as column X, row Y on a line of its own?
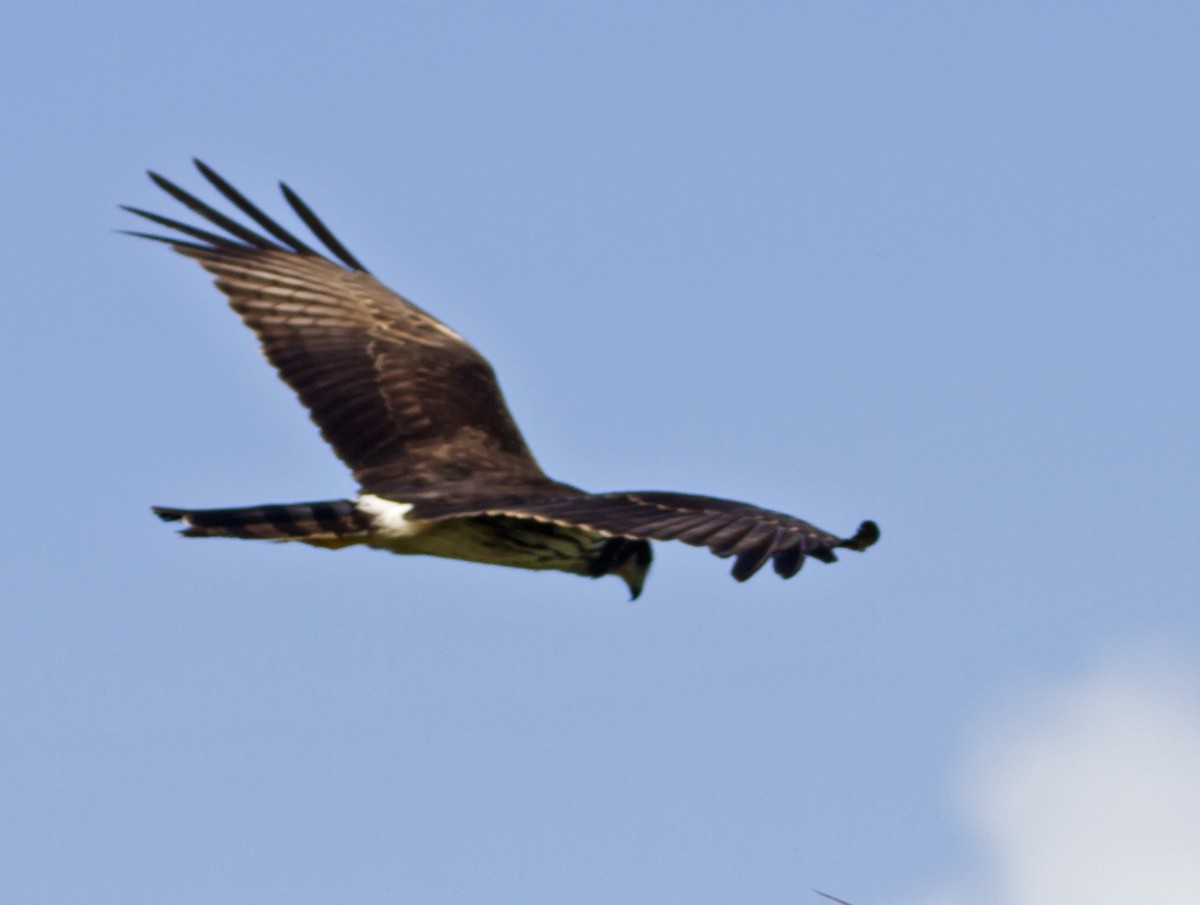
column 250, row 209
column 319, row 229
column 211, row 214
column 202, row 234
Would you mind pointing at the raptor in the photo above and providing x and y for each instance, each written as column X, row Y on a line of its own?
column 417, row 415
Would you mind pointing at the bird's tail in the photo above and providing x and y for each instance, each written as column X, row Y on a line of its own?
column 329, row 524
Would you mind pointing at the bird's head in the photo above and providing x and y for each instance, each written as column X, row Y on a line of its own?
column 624, row 556
column 633, row 565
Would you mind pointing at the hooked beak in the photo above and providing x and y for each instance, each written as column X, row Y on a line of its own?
column 635, row 566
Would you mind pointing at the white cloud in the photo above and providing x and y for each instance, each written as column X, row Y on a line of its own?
column 1088, row 794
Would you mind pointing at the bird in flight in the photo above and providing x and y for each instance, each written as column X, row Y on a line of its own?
column 417, row 415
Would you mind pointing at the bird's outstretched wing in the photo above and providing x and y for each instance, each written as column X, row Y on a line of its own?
column 726, row 527
column 401, row 397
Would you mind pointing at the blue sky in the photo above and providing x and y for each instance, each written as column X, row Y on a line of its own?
column 932, row 264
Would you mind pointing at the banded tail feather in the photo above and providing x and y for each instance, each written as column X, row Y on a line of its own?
column 330, row 523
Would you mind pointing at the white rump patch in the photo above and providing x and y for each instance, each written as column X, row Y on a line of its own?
column 387, row 516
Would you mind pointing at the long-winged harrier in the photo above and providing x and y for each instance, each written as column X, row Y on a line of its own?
column 418, row 416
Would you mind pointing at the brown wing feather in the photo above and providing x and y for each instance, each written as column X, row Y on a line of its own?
column 729, row 528
column 400, row 397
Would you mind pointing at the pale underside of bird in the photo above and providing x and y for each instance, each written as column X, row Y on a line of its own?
column 417, row 415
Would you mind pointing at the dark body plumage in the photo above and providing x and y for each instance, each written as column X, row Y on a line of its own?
column 417, row 415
